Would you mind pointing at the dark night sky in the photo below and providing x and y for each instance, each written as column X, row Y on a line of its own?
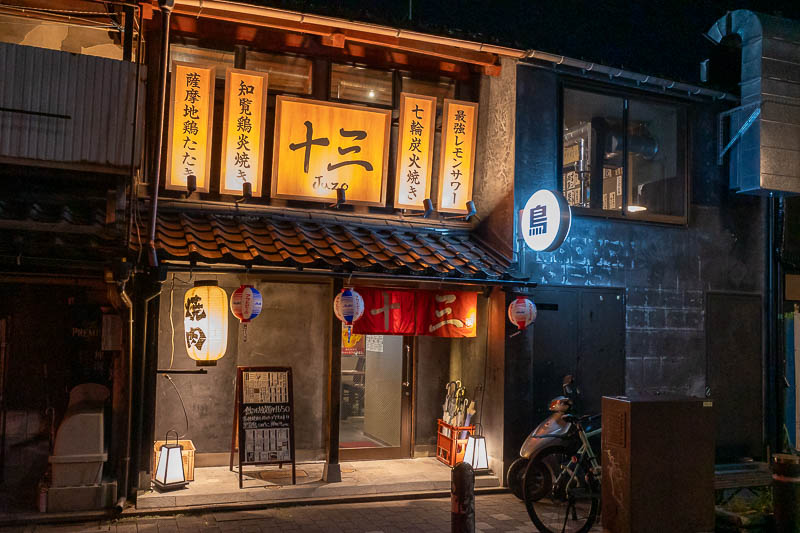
column 656, row 37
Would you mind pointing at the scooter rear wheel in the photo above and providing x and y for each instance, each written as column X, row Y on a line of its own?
column 515, row 475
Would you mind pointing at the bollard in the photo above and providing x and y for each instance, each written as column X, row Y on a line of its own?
column 462, row 499
column 786, row 492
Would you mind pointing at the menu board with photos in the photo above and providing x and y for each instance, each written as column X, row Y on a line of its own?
column 264, row 418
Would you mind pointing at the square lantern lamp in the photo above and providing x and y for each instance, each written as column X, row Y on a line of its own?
column 475, row 453
column 169, row 471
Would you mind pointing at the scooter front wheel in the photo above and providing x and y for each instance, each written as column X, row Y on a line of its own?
column 515, row 475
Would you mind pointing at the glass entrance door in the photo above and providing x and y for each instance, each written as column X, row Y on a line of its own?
column 375, row 403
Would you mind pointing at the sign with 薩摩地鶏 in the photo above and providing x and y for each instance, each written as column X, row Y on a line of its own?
column 415, row 151
column 243, row 131
column 191, row 110
column 457, row 157
column 320, row 147
column 545, row 220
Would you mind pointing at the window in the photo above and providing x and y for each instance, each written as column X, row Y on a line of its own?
column 359, row 84
column 291, row 74
column 441, row 89
column 624, row 155
column 202, row 56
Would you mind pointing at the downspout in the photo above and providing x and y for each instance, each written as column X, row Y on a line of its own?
column 166, row 9
column 142, row 371
column 127, row 457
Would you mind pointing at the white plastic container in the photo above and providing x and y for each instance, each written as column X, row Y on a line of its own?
column 79, row 452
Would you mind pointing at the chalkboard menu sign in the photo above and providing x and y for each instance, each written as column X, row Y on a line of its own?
column 264, row 417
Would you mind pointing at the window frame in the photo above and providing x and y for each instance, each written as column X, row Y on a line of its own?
column 627, row 95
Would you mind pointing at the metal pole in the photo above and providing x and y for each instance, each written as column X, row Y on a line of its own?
column 462, row 499
column 166, row 9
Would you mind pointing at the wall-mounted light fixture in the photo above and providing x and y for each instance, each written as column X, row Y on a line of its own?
column 247, row 192
column 341, row 199
column 471, row 212
column 428, row 211
column 191, row 185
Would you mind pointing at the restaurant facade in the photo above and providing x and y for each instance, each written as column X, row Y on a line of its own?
column 332, row 210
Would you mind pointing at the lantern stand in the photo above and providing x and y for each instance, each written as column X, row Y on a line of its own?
column 475, row 452
column 169, row 472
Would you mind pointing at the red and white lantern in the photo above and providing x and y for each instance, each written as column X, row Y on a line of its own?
column 348, row 306
column 522, row 312
column 245, row 305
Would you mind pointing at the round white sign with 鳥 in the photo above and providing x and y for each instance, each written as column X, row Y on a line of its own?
column 545, row 221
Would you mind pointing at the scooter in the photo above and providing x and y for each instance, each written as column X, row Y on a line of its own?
column 552, row 433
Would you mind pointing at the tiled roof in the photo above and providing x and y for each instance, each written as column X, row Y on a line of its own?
column 342, row 247
column 56, row 231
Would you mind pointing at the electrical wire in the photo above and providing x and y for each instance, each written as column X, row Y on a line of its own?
column 185, row 416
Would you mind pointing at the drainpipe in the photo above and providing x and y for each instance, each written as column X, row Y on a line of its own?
column 166, row 9
column 127, row 457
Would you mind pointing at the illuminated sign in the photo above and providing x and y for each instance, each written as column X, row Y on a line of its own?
column 545, row 221
column 324, row 146
column 191, row 110
column 243, row 133
column 415, row 151
column 457, row 159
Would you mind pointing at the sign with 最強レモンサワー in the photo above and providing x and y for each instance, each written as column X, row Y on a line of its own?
column 415, row 151
column 191, row 111
column 457, row 156
column 243, row 131
column 320, row 147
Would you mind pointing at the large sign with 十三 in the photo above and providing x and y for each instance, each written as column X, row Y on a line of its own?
column 320, row 147
column 243, row 131
column 457, row 157
column 545, row 221
column 191, row 110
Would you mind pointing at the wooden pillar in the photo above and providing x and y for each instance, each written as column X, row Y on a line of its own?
column 332, row 472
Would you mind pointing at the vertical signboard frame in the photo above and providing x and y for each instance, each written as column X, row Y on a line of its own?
column 259, row 144
column 241, row 416
column 203, row 185
column 405, row 138
column 447, row 150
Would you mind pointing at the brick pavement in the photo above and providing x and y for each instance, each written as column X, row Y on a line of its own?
column 495, row 513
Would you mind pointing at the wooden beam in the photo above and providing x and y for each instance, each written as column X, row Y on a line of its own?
column 334, row 40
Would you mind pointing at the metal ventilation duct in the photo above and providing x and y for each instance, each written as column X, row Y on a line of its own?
column 764, row 141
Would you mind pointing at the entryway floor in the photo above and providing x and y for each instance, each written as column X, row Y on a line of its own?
column 218, row 485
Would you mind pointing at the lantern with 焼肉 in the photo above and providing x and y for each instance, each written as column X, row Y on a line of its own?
column 245, row 305
column 206, row 322
column 169, row 471
column 348, row 306
column 522, row 312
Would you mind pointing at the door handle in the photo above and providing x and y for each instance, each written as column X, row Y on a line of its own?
column 407, row 382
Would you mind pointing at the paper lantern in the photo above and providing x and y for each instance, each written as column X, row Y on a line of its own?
column 522, row 312
column 475, row 453
column 205, row 322
column 169, row 472
column 348, row 307
column 245, row 305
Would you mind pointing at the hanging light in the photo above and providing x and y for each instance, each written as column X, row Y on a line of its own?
column 348, row 307
column 205, row 322
column 245, row 305
column 475, row 453
column 522, row 312
column 169, row 472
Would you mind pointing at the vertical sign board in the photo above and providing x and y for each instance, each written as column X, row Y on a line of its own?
column 243, row 131
column 265, row 417
column 457, row 159
column 191, row 110
column 324, row 146
column 415, row 152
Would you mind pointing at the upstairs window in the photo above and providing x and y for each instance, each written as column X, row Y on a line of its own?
column 363, row 85
column 624, row 156
column 290, row 74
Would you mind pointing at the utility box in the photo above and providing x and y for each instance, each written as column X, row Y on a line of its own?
column 658, row 465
